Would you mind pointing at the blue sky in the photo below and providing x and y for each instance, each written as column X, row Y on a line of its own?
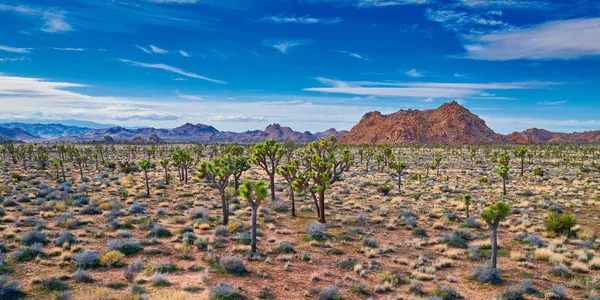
column 308, row 64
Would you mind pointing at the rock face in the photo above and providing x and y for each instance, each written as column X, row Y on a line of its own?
column 450, row 124
column 542, row 136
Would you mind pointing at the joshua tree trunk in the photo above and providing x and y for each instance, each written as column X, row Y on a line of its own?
column 81, row 170
column 63, row 173
column 166, row 176
column 522, row 165
column 293, row 202
column 494, row 241
column 400, row 182
column 225, row 208
column 314, row 196
column 254, row 208
column 272, row 178
column 147, row 185
column 322, row 206
column 504, row 186
column 467, row 211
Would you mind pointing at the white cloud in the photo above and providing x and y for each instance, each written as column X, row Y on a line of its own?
column 183, row 53
column 551, row 103
column 14, row 49
column 236, row 118
column 143, row 49
column 461, row 21
column 174, row 1
column 148, row 116
column 189, row 97
column 565, row 39
column 371, row 3
column 351, row 54
column 299, row 20
column 158, row 50
column 513, row 4
column 421, row 89
column 413, row 73
column 171, row 69
column 284, row 46
column 11, row 59
column 55, row 22
column 70, row 49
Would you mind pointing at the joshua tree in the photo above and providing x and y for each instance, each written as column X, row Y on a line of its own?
column 437, row 160
column 240, row 165
column 379, row 159
column 165, row 164
column 503, row 172
column 290, row 172
column 367, row 154
column 217, row 173
column 80, row 160
column 42, row 158
column 467, row 200
column 324, row 167
column 254, row 193
column 521, row 152
column 145, row 165
column 267, row 155
column 493, row 215
column 58, row 163
column 399, row 167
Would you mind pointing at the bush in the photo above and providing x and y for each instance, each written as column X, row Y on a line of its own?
column 53, row 284
column 136, row 209
column 329, row 293
column 198, row 212
column 133, row 270
column 10, row 289
column 159, row 279
column 560, row 224
column 445, row 292
column 111, row 258
column 86, row 259
column 82, row 275
column 279, row 206
column 65, row 238
column 485, row 273
column 223, row 291
column 222, row 231
column 419, row 232
column 34, row 236
column 315, row 231
column 557, row 291
column 368, row 242
column 127, row 246
column 384, row 189
column 516, row 292
column 24, row 254
column 159, row 232
column 285, row 247
column 233, row 264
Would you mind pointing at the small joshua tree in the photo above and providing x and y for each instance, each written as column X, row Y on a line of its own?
column 267, row 155
column 493, row 215
column 467, row 200
column 503, row 172
column 521, row 152
column 165, row 164
column 254, row 193
column 217, row 173
column 290, row 172
column 399, row 167
column 145, row 165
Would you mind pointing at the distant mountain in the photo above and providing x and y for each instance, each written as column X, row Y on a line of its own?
column 48, row 131
column 450, row 124
column 542, row 136
column 65, row 122
column 16, row 134
column 200, row 133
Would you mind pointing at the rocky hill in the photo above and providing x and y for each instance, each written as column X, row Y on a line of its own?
column 450, row 124
column 542, row 136
column 16, row 134
column 48, row 131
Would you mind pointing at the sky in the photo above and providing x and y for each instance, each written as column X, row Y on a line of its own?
column 309, row 64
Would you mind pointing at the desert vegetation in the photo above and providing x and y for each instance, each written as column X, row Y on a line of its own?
column 299, row 221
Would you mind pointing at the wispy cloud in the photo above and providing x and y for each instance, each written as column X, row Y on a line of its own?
column 565, row 39
column 54, row 20
column 14, row 49
column 174, row 1
column 69, row 49
column 300, row 20
column 284, row 46
column 143, row 49
column 158, row 50
column 551, row 103
column 171, row 69
column 512, row 4
column 183, row 53
column 421, row 89
column 352, row 54
column 149, row 116
column 413, row 73
column 371, row 3
column 189, row 97
column 236, row 118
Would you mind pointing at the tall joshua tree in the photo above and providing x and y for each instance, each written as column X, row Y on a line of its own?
column 254, row 193
column 503, row 172
column 80, row 160
column 217, row 173
column 290, row 172
column 165, row 164
column 267, row 155
column 399, row 167
column 493, row 215
column 145, row 165
column 521, row 152
column 467, row 201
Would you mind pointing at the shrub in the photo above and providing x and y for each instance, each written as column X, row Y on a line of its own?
column 133, row 270
column 485, row 273
column 410, row 222
column 285, row 247
column 419, row 232
column 24, row 254
column 9, row 288
column 368, row 242
column 159, row 279
column 111, row 258
column 279, row 206
column 560, row 224
column 82, row 275
column 86, row 259
column 198, row 212
column 159, row 232
column 222, row 290
column 65, row 238
column 233, row 264
column 34, row 236
column 347, row 264
column 53, row 284
column 445, row 292
column 136, row 209
column 384, row 189
column 560, row 269
column 315, row 231
column 222, row 231
column 329, row 293
column 127, row 246
column 557, row 291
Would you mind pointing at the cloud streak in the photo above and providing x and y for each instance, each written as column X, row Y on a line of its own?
column 284, row 46
column 14, row 49
column 171, row 69
column 299, row 20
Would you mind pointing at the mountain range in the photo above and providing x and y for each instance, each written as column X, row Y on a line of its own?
column 449, row 124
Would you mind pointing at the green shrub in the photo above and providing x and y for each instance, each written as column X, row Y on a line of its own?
column 561, row 224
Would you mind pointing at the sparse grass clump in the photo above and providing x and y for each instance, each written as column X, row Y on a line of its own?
column 485, row 273
column 86, row 259
column 127, row 246
column 233, row 264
